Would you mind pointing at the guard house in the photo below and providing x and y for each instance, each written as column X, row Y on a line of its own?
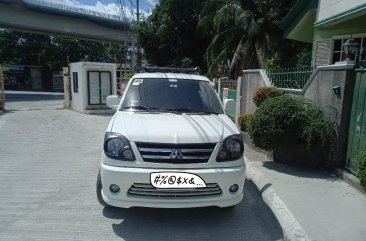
column 91, row 83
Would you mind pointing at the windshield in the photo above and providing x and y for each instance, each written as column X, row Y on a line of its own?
column 178, row 95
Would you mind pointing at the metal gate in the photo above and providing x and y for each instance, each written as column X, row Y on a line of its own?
column 357, row 129
column 230, row 85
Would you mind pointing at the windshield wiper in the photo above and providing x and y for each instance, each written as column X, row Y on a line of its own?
column 137, row 107
column 192, row 111
column 142, row 107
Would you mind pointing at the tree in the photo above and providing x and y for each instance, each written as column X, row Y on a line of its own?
column 168, row 36
column 245, row 33
column 51, row 51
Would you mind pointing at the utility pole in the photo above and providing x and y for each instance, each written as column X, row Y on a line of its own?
column 137, row 45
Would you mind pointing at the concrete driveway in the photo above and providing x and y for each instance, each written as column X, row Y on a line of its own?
column 49, row 159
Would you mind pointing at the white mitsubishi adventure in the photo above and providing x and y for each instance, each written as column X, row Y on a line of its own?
column 170, row 145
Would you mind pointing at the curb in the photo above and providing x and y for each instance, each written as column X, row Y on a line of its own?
column 291, row 229
column 350, row 179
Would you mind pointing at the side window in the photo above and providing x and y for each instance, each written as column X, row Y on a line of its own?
column 75, row 81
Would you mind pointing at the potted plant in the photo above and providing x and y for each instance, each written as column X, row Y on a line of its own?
column 294, row 129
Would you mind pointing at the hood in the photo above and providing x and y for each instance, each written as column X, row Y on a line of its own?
column 173, row 128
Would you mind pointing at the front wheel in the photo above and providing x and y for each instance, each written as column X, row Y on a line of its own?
column 99, row 191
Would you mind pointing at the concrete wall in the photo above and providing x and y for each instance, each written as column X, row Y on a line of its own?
column 338, row 107
column 319, row 90
column 331, row 8
column 251, row 80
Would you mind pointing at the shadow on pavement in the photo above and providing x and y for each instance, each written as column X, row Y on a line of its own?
column 250, row 220
column 257, row 157
column 23, row 96
column 300, row 171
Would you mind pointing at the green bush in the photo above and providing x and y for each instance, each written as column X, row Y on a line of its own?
column 361, row 170
column 284, row 120
column 265, row 92
column 318, row 129
column 276, row 122
column 243, row 121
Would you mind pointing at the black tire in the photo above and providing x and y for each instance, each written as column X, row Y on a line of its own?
column 99, row 191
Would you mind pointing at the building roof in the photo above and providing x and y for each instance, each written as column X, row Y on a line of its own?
column 298, row 24
column 343, row 16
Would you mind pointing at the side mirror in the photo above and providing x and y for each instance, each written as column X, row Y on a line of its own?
column 112, row 101
column 229, row 107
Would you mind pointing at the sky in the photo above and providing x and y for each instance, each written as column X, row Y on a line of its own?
column 110, row 6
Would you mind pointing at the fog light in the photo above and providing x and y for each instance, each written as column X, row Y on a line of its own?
column 222, row 155
column 234, row 188
column 114, row 188
column 127, row 153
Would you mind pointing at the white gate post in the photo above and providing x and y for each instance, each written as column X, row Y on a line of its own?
column 238, row 100
column 219, row 88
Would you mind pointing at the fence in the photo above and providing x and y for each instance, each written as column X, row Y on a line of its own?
column 290, row 78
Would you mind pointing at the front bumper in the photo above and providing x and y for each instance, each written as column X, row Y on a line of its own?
column 125, row 177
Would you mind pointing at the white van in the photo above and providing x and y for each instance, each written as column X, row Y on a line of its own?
column 170, row 145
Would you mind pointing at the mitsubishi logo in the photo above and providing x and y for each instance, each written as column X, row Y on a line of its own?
column 176, row 154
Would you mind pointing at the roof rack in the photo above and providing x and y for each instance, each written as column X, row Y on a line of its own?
column 171, row 70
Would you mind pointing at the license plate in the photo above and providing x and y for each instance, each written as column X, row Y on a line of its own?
column 176, row 180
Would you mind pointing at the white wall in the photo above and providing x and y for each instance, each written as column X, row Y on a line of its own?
column 330, row 8
column 77, row 98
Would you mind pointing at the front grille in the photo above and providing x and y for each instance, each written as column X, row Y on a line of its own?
column 175, row 153
column 142, row 189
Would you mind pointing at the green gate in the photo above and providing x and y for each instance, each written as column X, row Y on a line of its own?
column 231, row 95
column 357, row 129
column 231, row 85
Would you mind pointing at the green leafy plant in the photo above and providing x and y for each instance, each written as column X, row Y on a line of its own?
column 243, row 121
column 304, row 57
column 265, row 92
column 284, row 120
column 361, row 171
column 127, row 74
column 271, row 63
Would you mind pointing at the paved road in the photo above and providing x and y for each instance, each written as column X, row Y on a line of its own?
column 49, row 158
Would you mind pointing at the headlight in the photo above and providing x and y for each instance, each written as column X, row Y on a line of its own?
column 231, row 149
column 117, row 146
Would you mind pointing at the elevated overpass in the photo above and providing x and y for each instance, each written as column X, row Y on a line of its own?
column 40, row 16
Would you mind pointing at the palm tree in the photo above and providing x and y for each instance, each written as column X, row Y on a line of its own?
column 242, row 33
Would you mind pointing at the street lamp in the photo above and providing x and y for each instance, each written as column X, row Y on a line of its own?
column 350, row 48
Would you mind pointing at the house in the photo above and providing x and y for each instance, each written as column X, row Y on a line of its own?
column 327, row 24
column 336, row 86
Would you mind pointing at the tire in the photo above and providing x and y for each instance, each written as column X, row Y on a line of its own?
column 99, row 191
